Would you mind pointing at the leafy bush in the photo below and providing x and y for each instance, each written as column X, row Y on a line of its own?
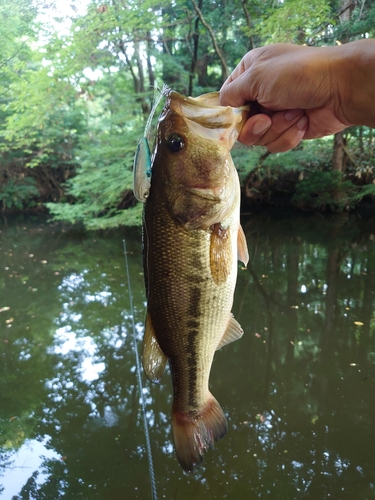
column 16, row 193
column 102, row 187
column 319, row 190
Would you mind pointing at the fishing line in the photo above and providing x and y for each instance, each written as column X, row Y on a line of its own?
column 140, row 386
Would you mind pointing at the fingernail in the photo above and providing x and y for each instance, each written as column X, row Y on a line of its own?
column 261, row 126
column 292, row 113
column 302, row 123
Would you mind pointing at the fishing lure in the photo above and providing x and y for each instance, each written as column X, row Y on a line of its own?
column 142, row 158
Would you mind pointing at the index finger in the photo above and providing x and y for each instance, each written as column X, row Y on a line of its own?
column 230, row 94
column 234, row 91
column 238, row 70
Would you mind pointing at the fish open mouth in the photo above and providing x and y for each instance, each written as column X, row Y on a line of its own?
column 206, row 117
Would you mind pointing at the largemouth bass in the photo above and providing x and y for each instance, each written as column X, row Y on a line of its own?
column 192, row 239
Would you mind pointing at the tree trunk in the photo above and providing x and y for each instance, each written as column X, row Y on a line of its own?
column 338, row 152
column 249, row 24
column 151, row 76
column 202, row 65
column 194, row 58
column 338, row 143
column 224, row 67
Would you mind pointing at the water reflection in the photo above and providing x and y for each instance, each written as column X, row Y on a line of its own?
column 297, row 388
column 26, row 466
column 67, row 342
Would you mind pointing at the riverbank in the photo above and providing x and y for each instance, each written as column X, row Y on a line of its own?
column 316, row 190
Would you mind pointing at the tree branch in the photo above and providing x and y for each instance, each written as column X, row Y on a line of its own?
column 352, row 160
column 151, row 76
column 10, row 58
column 194, row 54
column 248, row 21
column 130, row 66
column 212, row 35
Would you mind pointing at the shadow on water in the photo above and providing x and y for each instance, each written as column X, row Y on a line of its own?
column 298, row 388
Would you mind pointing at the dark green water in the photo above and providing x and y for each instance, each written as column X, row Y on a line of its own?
column 298, row 388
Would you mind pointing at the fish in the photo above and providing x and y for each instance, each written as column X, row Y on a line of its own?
column 192, row 240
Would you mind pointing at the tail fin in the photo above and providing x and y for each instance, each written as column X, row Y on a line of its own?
column 194, row 433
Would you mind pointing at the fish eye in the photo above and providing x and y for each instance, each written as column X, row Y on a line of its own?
column 175, row 142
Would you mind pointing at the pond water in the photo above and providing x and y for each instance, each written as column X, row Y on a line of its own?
column 298, row 389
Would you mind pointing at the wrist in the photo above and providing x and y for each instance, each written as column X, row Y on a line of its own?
column 355, row 74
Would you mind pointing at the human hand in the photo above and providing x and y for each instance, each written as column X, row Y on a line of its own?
column 296, row 94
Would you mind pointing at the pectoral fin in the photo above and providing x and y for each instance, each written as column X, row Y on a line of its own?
column 232, row 333
column 220, row 253
column 243, row 253
column 153, row 358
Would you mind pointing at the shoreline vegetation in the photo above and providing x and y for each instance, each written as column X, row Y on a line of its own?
column 77, row 87
column 296, row 180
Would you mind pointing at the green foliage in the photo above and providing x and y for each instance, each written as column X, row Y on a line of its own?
column 40, row 117
column 96, row 208
column 73, row 102
column 362, row 21
column 363, row 191
column 245, row 159
column 17, row 192
column 16, row 29
column 321, row 189
column 293, row 21
column 44, row 120
column 103, row 183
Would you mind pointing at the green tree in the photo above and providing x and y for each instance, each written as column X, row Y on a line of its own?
column 127, row 49
column 74, row 102
column 294, row 21
column 41, row 120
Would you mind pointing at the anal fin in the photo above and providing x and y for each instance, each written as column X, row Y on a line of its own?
column 233, row 332
column 243, row 252
column 153, row 358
